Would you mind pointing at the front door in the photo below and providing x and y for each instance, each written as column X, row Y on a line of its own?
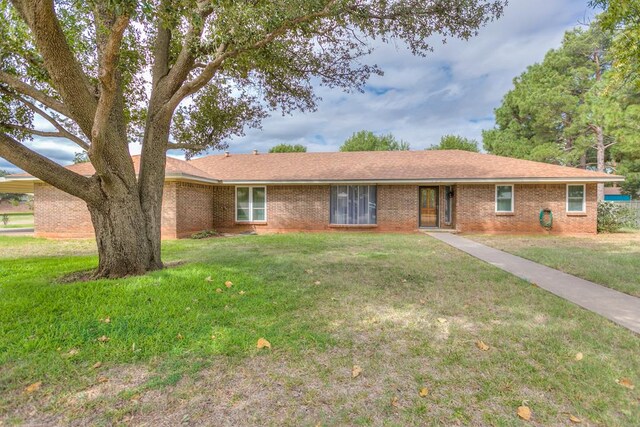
column 428, row 206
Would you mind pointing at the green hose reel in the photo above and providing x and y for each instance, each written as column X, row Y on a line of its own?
column 546, row 223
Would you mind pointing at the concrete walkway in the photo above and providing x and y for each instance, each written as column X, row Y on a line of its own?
column 620, row 308
column 16, row 231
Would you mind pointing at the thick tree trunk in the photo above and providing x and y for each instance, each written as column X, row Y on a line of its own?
column 600, row 156
column 124, row 246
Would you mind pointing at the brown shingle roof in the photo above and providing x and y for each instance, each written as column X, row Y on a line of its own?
column 174, row 168
column 423, row 165
column 376, row 166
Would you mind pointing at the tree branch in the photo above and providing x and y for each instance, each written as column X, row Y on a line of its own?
column 610, row 144
column 108, row 77
column 191, row 87
column 62, row 131
column 67, row 75
column 37, row 132
column 185, row 60
column 47, row 170
column 28, row 90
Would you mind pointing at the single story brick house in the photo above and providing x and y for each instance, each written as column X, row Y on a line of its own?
column 401, row 191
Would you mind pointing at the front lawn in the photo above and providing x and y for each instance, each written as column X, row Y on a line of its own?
column 612, row 260
column 179, row 345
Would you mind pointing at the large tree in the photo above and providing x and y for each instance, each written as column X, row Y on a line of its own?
column 456, row 142
column 365, row 140
column 105, row 73
column 563, row 109
column 621, row 18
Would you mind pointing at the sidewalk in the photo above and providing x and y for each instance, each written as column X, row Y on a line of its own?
column 620, row 308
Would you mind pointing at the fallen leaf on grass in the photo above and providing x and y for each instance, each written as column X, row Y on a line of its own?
column 33, row 387
column 574, row 419
column 356, row 371
column 626, row 382
column 524, row 412
column 423, row 392
column 423, row 302
column 97, row 365
column 103, row 338
column 103, row 379
column 213, row 337
column 394, row 402
column 579, row 356
column 219, row 290
column 262, row 343
column 179, row 337
column 73, row 352
column 482, row 346
column 442, row 319
column 208, row 279
column 228, row 284
column 106, row 320
column 241, row 292
column 317, row 282
column 309, row 271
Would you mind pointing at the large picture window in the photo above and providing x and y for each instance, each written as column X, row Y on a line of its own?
column 504, row 198
column 251, row 204
column 575, row 198
column 353, row 204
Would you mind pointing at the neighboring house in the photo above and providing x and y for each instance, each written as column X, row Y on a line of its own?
column 614, row 194
column 399, row 191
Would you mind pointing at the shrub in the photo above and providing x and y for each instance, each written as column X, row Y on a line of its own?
column 614, row 216
column 204, row 234
column 5, row 219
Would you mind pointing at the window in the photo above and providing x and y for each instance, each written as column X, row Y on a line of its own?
column 353, row 204
column 504, row 198
column 251, row 204
column 575, row 198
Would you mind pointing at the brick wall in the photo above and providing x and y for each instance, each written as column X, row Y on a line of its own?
column 185, row 209
column 476, row 210
column 306, row 208
column 59, row 215
column 398, row 207
column 194, row 208
column 169, row 207
column 188, row 208
column 289, row 208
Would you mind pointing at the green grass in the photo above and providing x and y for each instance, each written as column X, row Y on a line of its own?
column 612, row 260
column 325, row 302
column 18, row 220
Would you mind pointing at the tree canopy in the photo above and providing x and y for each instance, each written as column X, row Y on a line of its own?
column 182, row 74
column 288, row 148
column 622, row 19
column 564, row 111
column 365, row 140
column 456, row 142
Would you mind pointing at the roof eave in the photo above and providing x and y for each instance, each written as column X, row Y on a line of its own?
column 522, row 180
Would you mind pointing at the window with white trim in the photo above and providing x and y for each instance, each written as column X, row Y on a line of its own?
column 251, row 204
column 504, row 198
column 353, row 204
column 576, row 198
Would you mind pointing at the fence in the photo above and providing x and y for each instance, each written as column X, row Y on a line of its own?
column 633, row 205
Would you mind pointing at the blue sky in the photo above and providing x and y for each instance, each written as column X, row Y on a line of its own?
column 453, row 90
